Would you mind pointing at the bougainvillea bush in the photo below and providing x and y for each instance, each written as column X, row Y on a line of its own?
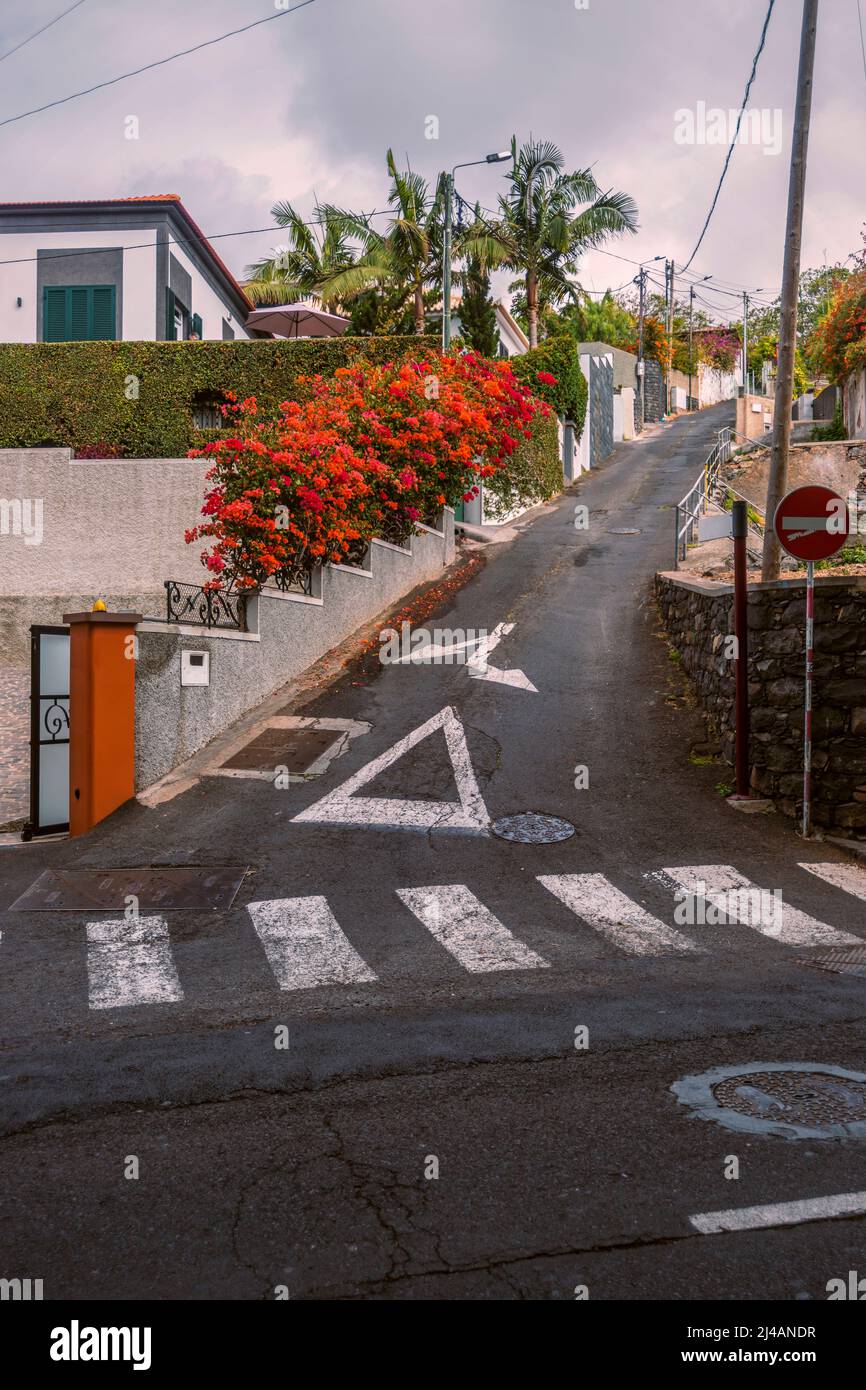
column 370, row 451
column 839, row 342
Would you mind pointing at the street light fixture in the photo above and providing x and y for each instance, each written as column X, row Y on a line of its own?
column 496, row 158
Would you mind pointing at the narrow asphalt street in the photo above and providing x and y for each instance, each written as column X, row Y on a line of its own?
column 416, row 1060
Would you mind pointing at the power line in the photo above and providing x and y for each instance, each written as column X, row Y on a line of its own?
column 184, row 241
column 37, row 32
column 160, row 62
column 736, row 135
column 862, row 41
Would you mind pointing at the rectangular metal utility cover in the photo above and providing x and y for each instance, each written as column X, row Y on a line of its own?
column 293, row 749
column 109, row 890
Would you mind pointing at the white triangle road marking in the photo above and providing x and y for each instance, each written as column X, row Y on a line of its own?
column 304, row 944
column 129, row 961
column 616, row 916
column 744, row 903
column 468, row 930
column 344, row 807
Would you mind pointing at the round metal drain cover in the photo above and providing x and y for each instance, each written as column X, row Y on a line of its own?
column 624, row 531
column 799, row 1100
column 533, row 828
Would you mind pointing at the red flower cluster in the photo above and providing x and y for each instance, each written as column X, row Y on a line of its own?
column 369, row 452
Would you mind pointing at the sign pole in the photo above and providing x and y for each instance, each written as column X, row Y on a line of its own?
column 810, row 667
column 740, row 523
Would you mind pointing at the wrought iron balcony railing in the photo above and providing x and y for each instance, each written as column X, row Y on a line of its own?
column 190, row 603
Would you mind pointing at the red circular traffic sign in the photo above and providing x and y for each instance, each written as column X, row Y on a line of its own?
column 812, row 523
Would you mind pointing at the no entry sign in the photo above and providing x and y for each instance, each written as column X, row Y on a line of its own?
column 812, row 523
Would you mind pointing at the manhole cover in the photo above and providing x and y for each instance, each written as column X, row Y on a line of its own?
column 799, row 1100
column 533, row 828
column 841, row 961
column 624, row 531
column 108, row 890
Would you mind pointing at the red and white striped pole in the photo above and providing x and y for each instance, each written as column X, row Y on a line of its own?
column 810, row 666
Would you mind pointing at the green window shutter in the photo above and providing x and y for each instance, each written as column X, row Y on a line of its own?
column 103, row 314
column 77, row 303
column 196, row 325
column 169, row 316
column 54, row 314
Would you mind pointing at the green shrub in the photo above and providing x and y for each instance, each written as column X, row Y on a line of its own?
column 534, row 471
column 137, row 398
column 835, row 429
column 559, row 358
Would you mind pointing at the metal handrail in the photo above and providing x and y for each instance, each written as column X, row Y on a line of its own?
column 697, row 500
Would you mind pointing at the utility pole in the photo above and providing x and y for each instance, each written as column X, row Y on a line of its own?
column 745, row 343
column 641, row 280
column 669, row 328
column 783, row 405
column 691, row 316
column 446, row 265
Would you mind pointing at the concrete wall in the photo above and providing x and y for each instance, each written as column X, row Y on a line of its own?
column 698, row 616
column 754, row 416
column 854, row 404
column 289, row 633
column 714, row 386
column 110, row 529
column 597, row 440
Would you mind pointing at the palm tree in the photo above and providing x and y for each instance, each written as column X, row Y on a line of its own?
column 539, row 233
column 407, row 255
column 299, row 270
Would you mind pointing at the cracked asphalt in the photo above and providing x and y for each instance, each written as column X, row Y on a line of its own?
column 435, row 1132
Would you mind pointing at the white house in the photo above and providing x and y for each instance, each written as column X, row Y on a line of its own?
column 512, row 339
column 113, row 268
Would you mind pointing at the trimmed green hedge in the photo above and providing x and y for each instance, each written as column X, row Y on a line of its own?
column 558, row 356
column 534, row 472
column 76, row 395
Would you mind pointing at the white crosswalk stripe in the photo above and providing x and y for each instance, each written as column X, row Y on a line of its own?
column 851, row 878
column 129, row 961
column 468, row 930
column 304, row 944
column 617, row 917
column 739, row 901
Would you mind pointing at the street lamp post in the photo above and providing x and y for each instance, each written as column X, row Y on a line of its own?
column 691, row 316
column 446, row 250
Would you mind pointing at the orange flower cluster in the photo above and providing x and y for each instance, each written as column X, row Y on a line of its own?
column 371, row 451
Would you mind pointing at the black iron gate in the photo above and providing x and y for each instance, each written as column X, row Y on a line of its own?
column 49, row 731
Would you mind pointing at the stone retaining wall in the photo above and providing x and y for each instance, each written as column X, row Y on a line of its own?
column 698, row 615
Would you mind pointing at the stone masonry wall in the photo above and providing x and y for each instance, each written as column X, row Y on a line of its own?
column 698, row 614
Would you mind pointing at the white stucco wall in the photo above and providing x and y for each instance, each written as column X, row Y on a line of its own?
column 210, row 306
column 19, row 279
column 714, row 386
column 139, row 307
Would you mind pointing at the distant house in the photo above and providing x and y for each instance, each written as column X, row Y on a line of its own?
column 512, row 341
column 114, row 268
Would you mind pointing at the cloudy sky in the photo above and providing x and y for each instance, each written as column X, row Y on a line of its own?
column 306, row 106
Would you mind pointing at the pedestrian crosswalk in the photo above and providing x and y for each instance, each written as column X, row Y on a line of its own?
column 307, row 945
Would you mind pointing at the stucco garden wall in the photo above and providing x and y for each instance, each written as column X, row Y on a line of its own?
column 288, row 633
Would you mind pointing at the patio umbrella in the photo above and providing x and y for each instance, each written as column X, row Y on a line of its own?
column 297, row 321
